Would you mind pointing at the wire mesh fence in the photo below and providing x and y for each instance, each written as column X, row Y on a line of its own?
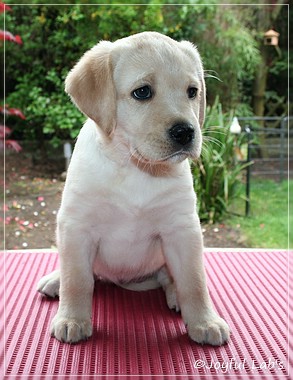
column 270, row 146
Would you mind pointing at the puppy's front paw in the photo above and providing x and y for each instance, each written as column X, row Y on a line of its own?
column 49, row 285
column 214, row 331
column 71, row 330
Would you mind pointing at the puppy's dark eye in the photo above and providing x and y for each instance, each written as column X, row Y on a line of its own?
column 192, row 92
column 142, row 93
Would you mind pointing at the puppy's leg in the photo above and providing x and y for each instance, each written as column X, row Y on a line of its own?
column 72, row 322
column 49, row 285
column 184, row 256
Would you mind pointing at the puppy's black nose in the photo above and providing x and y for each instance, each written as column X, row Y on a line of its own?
column 182, row 134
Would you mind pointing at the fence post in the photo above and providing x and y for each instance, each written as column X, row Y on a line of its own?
column 67, row 150
column 247, row 200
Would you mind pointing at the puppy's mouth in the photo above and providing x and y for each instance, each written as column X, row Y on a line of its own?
column 175, row 157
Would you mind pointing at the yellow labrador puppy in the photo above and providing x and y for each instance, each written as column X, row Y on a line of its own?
column 128, row 211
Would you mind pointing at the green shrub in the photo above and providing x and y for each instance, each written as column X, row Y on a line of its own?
column 52, row 114
column 218, row 173
column 55, row 36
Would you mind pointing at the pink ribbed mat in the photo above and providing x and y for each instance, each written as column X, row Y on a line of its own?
column 135, row 334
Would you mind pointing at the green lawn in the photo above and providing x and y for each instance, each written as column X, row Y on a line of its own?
column 267, row 224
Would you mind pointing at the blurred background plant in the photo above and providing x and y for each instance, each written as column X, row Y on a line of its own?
column 218, row 173
column 57, row 35
column 243, row 77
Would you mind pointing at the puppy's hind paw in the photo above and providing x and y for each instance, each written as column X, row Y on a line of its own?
column 171, row 297
column 215, row 332
column 70, row 330
column 49, row 285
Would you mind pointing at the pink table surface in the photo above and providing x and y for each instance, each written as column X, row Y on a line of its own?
column 137, row 336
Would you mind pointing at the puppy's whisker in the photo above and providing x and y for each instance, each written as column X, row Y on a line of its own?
column 208, row 74
column 210, row 140
column 212, row 130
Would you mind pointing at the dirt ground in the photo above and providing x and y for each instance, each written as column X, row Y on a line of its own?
column 32, row 195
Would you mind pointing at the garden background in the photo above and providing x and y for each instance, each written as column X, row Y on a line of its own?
column 244, row 78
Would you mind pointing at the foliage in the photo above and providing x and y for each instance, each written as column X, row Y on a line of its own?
column 218, row 173
column 56, row 36
column 51, row 114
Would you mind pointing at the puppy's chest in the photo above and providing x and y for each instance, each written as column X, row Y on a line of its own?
column 129, row 244
column 131, row 208
column 128, row 217
column 126, row 220
column 135, row 196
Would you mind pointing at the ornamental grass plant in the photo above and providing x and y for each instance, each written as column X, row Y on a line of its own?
column 219, row 171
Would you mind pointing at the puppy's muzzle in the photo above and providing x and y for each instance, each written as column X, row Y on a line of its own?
column 182, row 135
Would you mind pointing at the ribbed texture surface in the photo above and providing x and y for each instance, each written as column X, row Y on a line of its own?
column 136, row 334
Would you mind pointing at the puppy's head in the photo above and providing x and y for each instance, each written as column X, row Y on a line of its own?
column 146, row 91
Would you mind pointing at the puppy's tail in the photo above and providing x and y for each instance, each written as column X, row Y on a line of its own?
column 148, row 284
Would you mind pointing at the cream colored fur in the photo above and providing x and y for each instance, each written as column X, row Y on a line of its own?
column 128, row 211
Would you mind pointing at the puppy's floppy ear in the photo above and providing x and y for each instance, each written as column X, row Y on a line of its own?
column 192, row 51
column 91, row 88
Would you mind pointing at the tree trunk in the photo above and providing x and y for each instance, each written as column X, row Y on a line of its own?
column 260, row 84
column 266, row 19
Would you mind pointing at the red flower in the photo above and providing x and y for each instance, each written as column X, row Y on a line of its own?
column 12, row 111
column 4, row 8
column 4, row 35
column 16, row 112
column 14, row 145
column 4, row 131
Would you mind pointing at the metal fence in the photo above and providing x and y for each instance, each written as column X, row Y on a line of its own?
column 268, row 149
column 270, row 146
